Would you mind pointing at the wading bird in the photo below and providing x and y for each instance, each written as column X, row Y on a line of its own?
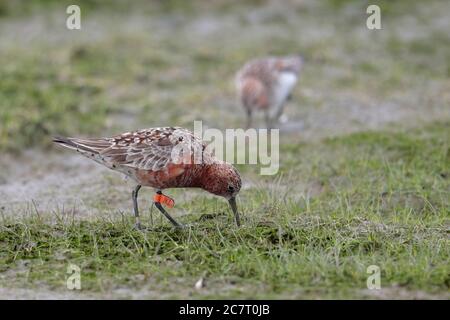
column 161, row 158
column 266, row 84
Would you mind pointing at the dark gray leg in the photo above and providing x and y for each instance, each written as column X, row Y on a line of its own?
column 279, row 113
column 249, row 119
column 164, row 212
column 268, row 120
column 134, row 195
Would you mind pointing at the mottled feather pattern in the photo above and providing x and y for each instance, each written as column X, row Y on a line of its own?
column 147, row 149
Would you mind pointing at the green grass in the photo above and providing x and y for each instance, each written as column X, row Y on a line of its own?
column 37, row 101
column 382, row 199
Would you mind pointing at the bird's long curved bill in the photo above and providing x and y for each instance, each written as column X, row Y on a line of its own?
column 233, row 206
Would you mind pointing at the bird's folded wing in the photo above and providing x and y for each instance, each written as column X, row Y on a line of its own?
column 153, row 149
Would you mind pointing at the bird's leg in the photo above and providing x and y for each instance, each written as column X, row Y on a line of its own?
column 249, row 118
column 279, row 112
column 134, row 195
column 268, row 119
column 164, row 212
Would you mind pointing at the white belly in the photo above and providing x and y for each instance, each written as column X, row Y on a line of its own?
column 286, row 82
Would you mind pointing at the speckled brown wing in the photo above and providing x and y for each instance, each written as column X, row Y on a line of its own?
column 152, row 149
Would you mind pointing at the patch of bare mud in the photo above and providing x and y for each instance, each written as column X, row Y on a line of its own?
column 346, row 114
column 397, row 293
column 59, row 182
column 42, row 294
column 215, row 288
column 178, row 288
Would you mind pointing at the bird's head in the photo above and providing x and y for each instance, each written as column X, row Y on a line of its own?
column 222, row 179
column 292, row 64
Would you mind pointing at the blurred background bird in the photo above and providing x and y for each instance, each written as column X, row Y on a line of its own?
column 265, row 84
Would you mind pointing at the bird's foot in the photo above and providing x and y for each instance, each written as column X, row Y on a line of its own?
column 182, row 226
column 283, row 119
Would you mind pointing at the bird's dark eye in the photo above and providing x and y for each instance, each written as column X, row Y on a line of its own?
column 230, row 188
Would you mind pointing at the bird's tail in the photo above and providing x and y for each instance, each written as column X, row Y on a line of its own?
column 72, row 143
column 92, row 146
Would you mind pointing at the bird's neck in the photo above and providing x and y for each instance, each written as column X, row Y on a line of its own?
column 204, row 175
